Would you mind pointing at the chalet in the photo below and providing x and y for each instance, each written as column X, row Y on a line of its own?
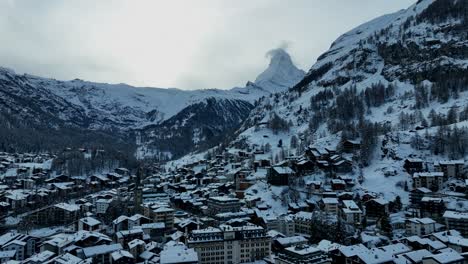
column 136, row 247
column 376, row 208
column 58, row 178
column 280, row 175
column 122, row 257
column 417, row 194
column 187, row 225
column 89, row 224
column 323, row 164
column 99, row 254
column 155, row 231
column 431, row 207
column 351, row 145
column 137, row 220
column 315, row 154
column 313, row 186
column 338, row 185
column 125, row 236
column 261, row 163
column 122, row 171
column 342, row 166
column 413, row 165
column 303, row 166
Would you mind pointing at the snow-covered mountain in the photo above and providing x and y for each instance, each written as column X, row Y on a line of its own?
column 51, row 103
column 281, row 74
column 379, row 83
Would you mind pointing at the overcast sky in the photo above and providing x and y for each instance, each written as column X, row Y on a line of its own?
column 187, row 44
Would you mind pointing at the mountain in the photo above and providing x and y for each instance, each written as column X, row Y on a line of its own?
column 380, row 84
column 32, row 104
column 207, row 123
column 197, row 127
column 281, row 74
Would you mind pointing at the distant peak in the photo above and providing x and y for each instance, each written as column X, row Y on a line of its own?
column 279, row 56
column 281, row 72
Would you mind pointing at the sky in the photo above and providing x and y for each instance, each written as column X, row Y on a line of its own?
column 187, row 44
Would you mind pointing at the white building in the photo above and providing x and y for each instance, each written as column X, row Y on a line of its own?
column 102, row 205
column 351, row 213
column 420, row 226
column 228, row 244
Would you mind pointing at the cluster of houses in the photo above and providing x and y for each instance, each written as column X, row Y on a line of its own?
column 213, row 211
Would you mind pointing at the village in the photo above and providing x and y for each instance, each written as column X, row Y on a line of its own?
column 235, row 207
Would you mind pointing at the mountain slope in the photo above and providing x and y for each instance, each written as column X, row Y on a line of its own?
column 379, row 83
column 197, row 127
column 118, row 109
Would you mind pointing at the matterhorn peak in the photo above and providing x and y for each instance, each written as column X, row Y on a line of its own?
column 281, row 72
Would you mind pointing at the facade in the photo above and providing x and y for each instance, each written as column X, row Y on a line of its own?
column 102, row 205
column 223, row 204
column 89, row 224
column 330, row 205
column 417, row 194
column 431, row 207
column 420, row 226
column 376, row 208
column 430, row 180
column 451, row 168
column 413, row 165
column 457, row 221
column 303, row 223
column 350, row 213
column 228, row 244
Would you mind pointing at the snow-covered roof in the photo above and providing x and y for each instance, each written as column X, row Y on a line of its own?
column 68, row 207
column 446, row 257
column 177, row 253
column 456, row 215
column 116, row 255
column 428, row 174
column 283, row 170
column 286, row 241
column 330, row 200
column 101, row 249
column 449, row 162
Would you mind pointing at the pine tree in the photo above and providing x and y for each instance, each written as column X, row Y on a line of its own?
column 293, row 143
column 386, row 226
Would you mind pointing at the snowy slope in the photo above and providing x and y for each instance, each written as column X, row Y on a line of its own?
column 423, row 45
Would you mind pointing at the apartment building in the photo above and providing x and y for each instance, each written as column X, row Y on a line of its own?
column 430, row 180
column 228, row 244
column 350, row 213
column 420, row 226
column 451, row 168
column 223, row 204
column 458, row 221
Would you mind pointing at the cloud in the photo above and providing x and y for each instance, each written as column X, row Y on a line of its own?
column 186, row 44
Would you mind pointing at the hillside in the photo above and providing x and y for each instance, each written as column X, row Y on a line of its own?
column 397, row 84
column 38, row 106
